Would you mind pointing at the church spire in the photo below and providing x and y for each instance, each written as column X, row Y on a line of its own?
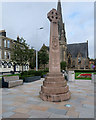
column 60, row 23
column 59, row 6
column 59, row 9
column 61, row 33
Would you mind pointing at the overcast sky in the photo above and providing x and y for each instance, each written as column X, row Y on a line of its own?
column 25, row 19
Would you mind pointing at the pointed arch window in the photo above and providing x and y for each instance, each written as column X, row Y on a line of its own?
column 4, row 43
column 79, row 60
column 8, row 44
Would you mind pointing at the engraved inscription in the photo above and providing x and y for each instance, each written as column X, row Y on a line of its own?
column 55, row 42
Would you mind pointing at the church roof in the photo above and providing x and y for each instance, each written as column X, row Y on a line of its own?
column 76, row 48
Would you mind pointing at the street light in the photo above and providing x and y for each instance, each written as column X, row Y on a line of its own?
column 36, row 60
column 41, row 28
column 37, row 52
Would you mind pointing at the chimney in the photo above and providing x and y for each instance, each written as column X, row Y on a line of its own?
column 3, row 33
column 18, row 38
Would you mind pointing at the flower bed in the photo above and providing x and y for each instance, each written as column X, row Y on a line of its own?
column 86, row 75
column 83, row 75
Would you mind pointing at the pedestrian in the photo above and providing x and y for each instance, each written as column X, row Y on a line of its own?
column 66, row 75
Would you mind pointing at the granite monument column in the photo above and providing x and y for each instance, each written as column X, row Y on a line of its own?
column 54, row 87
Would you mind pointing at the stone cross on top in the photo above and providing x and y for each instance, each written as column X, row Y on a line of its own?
column 53, row 16
column 54, row 87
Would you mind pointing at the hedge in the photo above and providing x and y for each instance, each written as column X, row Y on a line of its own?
column 31, row 73
column 84, row 70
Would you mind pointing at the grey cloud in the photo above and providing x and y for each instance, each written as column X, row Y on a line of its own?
column 23, row 19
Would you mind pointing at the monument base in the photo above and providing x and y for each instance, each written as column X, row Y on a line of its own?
column 55, row 98
column 55, row 88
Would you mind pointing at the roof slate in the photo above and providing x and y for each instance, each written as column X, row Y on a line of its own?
column 76, row 48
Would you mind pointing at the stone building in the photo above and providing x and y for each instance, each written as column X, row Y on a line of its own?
column 5, row 54
column 75, row 55
column 62, row 35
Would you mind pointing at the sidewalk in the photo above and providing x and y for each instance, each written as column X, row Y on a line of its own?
column 24, row 102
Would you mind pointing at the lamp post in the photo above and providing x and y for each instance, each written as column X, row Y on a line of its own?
column 37, row 52
column 36, row 60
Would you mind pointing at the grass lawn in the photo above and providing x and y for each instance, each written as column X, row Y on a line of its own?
column 78, row 73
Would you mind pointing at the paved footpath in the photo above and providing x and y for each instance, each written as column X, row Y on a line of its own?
column 24, row 102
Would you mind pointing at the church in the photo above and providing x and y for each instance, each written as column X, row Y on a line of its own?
column 75, row 55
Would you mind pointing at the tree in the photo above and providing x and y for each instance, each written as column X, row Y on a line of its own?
column 20, row 53
column 32, row 61
column 63, row 65
column 43, row 56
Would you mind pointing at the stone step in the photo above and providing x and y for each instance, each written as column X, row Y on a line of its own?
column 55, row 84
column 54, row 78
column 54, row 74
column 54, row 90
column 55, row 98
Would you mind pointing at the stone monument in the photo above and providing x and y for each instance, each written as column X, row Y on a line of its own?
column 54, row 87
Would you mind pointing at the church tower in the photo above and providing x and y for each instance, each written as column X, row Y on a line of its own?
column 62, row 36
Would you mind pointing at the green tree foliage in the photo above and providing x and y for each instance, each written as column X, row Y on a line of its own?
column 63, row 65
column 32, row 60
column 20, row 53
column 43, row 56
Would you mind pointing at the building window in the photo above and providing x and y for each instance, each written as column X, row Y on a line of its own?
column 17, row 66
column 5, row 64
column 73, row 63
column 9, row 65
column 0, row 64
column 5, row 55
column 8, row 44
column 0, row 42
column 27, row 67
column 79, row 60
column 0, row 55
column 8, row 55
column 4, row 43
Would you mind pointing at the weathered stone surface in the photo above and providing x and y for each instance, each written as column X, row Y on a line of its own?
column 54, row 90
column 57, row 111
column 54, row 79
column 56, row 84
column 54, row 87
column 55, row 98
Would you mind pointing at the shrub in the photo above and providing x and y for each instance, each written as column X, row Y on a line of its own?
column 31, row 73
column 85, row 70
column 24, row 76
column 46, row 70
column 63, row 65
